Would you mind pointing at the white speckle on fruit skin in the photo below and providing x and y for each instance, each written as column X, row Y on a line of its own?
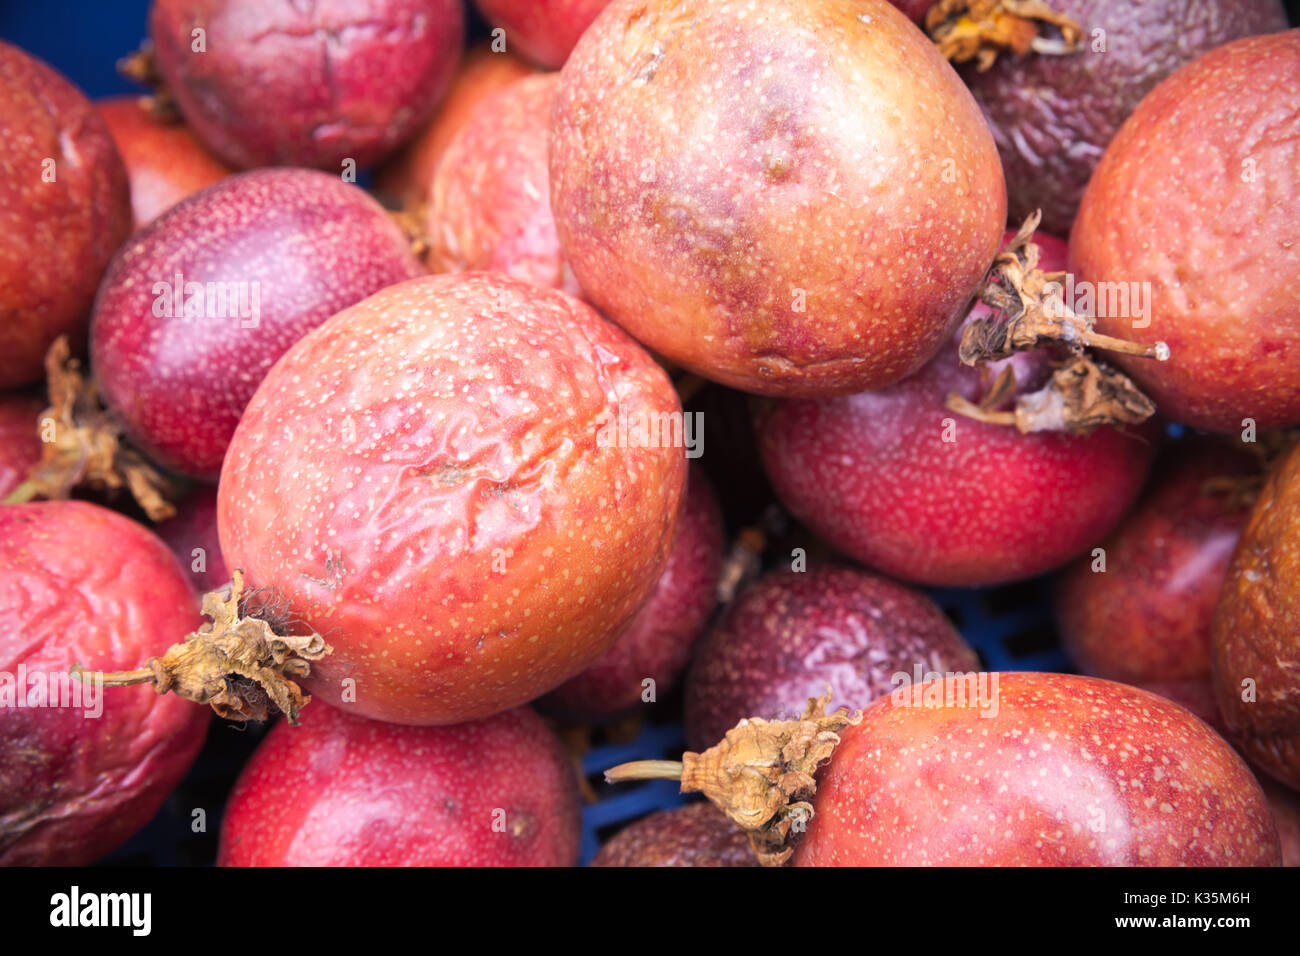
column 489, row 205
column 899, row 790
column 343, row 791
column 308, row 243
column 880, row 477
column 470, row 474
column 769, row 193
column 1198, row 195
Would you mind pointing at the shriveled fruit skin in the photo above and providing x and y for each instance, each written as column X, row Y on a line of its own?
column 1198, row 195
column 56, row 236
column 1256, row 656
column 407, row 176
column 698, row 834
column 302, row 245
column 20, row 446
column 1147, row 615
column 1069, row 771
column 191, row 534
column 658, row 642
column 1052, row 116
column 790, row 198
column 793, row 633
column 341, row 790
column 280, row 83
column 544, row 31
column 164, row 162
column 81, row 584
column 489, row 206
column 895, row 480
column 429, row 478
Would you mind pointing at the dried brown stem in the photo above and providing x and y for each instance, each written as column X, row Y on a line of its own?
column 761, row 774
column 236, row 663
column 1080, row 397
column 744, row 560
column 1029, row 310
column 979, row 30
column 411, row 220
column 141, row 67
column 84, row 448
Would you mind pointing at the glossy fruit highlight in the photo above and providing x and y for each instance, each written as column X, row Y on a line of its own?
column 1142, row 610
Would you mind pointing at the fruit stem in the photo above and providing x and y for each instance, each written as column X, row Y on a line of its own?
column 645, row 770
column 141, row 675
column 1157, row 350
column 963, row 406
column 25, row 492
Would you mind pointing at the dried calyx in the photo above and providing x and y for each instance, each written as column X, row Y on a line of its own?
column 761, row 775
column 141, row 67
column 1080, row 396
column 82, row 445
column 979, row 30
column 412, row 220
column 240, row 662
column 1030, row 312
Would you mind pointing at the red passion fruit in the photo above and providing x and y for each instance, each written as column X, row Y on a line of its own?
column 447, row 481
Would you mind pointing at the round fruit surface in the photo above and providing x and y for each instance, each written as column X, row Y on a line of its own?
column 437, row 480
column 344, row 791
column 791, row 198
column 164, row 162
column 657, row 643
column 698, row 834
column 544, row 31
column 1256, row 651
column 794, row 633
column 895, row 480
column 276, row 82
column 191, row 533
column 199, row 305
column 407, row 176
column 1052, row 116
column 83, row 768
column 65, row 207
column 1195, row 205
column 1037, row 770
column 489, row 207
column 1141, row 610
column 20, row 444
